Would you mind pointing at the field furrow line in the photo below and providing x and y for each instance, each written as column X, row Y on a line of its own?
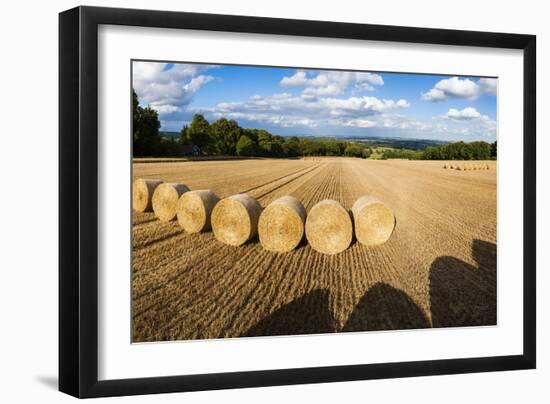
column 240, row 278
column 273, row 188
column 249, row 190
column 192, row 287
column 180, row 300
column 185, row 265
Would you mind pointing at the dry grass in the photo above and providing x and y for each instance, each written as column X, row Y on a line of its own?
column 470, row 166
column 235, row 219
column 165, row 200
column 194, row 210
column 437, row 269
column 328, row 227
column 142, row 194
column 281, row 225
column 373, row 221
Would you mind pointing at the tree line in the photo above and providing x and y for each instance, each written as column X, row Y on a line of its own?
column 224, row 137
column 462, row 151
column 478, row 150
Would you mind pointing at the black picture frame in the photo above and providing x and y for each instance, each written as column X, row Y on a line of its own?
column 78, row 201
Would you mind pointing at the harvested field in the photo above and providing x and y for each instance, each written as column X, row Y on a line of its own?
column 438, row 268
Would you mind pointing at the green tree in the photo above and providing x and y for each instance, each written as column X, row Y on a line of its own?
column 366, row 152
column 277, row 143
column 276, row 148
column 480, row 150
column 353, row 150
column 135, row 108
column 402, row 154
column 184, row 135
column 313, row 148
column 341, row 148
column 265, row 142
column 333, row 149
column 252, row 134
column 291, row 147
column 225, row 133
column 145, row 127
column 245, row 146
column 198, row 134
column 460, row 151
column 169, row 146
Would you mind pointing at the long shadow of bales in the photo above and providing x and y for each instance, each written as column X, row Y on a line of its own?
column 308, row 314
column 462, row 294
column 384, row 307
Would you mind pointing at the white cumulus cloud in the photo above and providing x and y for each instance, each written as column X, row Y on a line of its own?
column 488, row 86
column 332, row 83
column 467, row 113
column 456, row 87
column 168, row 89
column 453, row 87
column 361, row 123
column 466, row 123
column 287, row 110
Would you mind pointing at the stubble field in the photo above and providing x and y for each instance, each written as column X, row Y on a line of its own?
column 437, row 270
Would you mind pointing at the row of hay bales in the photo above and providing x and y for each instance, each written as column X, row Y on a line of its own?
column 281, row 226
column 467, row 166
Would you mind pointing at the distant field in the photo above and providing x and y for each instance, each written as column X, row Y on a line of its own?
column 437, row 270
column 377, row 152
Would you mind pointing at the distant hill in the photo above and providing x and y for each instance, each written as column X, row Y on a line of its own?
column 398, row 143
column 372, row 141
column 376, row 141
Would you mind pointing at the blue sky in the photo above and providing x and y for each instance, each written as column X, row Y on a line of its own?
column 289, row 101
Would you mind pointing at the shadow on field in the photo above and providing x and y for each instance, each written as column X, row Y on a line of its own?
column 384, row 307
column 308, row 314
column 462, row 294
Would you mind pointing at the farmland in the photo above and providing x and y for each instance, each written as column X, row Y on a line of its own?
column 437, row 270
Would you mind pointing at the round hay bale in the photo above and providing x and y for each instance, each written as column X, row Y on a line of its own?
column 445, row 166
column 452, row 166
column 487, row 167
column 459, row 168
column 373, row 221
column 142, row 194
column 281, row 225
column 165, row 200
column 235, row 219
column 194, row 209
column 328, row 227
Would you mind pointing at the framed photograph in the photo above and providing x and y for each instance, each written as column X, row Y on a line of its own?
column 251, row 201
